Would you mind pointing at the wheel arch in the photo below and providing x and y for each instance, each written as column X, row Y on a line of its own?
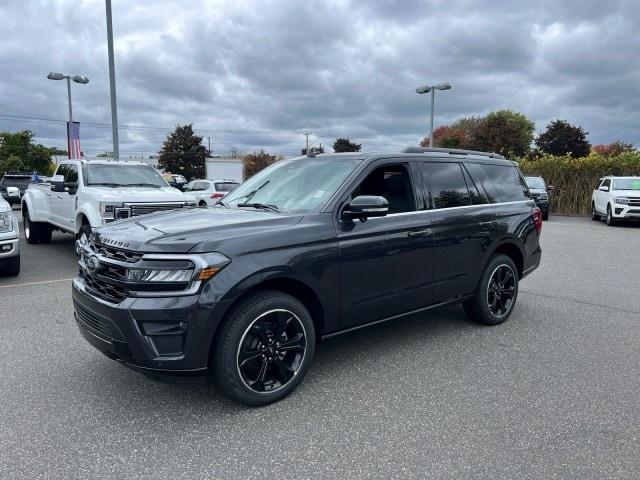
column 513, row 251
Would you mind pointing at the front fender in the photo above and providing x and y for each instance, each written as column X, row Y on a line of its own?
column 87, row 211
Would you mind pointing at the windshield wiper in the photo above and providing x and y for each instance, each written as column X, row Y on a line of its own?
column 261, row 206
column 250, row 195
column 221, row 203
column 141, row 185
column 104, row 184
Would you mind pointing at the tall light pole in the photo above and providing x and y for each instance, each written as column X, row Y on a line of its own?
column 432, row 89
column 76, row 78
column 112, row 84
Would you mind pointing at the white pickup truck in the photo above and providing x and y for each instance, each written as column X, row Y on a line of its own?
column 82, row 195
column 616, row 198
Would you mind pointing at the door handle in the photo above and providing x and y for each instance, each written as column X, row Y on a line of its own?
column 419, row 233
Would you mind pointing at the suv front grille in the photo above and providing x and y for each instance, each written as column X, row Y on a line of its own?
column 104, row 290
column 138, row 209
column 634, row 202
column 116, row 253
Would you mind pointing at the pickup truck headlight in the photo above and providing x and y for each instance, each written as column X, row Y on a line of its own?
column 6, row 222
column 107, row 210
column 624, row 201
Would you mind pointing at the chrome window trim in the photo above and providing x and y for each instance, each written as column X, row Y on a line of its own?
column 449, row 208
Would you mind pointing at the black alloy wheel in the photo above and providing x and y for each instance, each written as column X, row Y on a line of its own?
column 271, row 351
column 501, row 290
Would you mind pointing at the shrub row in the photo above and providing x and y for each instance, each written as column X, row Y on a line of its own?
column 574, row 179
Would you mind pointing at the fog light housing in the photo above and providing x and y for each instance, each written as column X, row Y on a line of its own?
column 6, row 248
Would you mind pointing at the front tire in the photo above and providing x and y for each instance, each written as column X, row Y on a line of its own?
column 12, row 268
column 264, row 348
column 610, row 220
column 594, row 213
column 496, row 294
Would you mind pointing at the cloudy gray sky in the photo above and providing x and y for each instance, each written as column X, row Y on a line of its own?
column 256, row 74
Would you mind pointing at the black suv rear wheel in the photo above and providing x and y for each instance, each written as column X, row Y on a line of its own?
column 264, row 348
column 497, row 292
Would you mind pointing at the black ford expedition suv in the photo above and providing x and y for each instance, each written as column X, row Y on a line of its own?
column 306, row 249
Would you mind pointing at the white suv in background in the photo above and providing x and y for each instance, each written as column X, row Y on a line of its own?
column 616, row 198
column 210, row 192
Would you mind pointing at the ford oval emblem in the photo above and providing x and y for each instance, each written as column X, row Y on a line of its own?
column 93, row 264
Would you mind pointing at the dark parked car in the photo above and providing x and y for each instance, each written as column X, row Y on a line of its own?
column 20, row 180
column 540, row 194
column 308, row 248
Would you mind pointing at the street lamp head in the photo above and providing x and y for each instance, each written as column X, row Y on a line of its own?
column 425, row 89
column 80, row 79
column 56, row 76
column 443, row 86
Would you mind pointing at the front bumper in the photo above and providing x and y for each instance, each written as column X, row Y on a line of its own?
column 625, row 212
column 163, row 337
column 9, row 247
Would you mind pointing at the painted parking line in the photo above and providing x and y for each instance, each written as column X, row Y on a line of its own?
column 37, row 283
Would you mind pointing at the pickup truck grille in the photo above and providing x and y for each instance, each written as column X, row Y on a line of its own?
column 138, row 209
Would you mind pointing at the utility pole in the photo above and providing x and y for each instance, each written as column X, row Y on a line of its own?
column 209, row 148
column 306, row 134
column 112, row 84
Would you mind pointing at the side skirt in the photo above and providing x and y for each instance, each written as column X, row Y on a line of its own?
column 394, row 317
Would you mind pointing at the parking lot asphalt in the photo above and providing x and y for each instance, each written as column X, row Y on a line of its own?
column 552, row 393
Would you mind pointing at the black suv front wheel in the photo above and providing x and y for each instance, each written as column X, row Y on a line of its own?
column 264, row 348
column 497, row 292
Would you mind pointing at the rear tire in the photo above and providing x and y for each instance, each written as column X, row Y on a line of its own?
column 595, row 216
column 202, row 203
column 610, row 220
column 496, row 294
column 12, row 268
column 264, row 348
column 36, row 232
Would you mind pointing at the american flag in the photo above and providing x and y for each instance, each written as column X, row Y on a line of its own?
column 73, row 139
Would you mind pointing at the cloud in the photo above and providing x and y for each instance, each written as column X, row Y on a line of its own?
column 258, row 74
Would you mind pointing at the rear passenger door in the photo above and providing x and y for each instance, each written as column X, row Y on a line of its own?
column 463, row 225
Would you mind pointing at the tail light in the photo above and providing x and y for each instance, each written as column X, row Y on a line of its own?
column 537, row 219
column 217, row 195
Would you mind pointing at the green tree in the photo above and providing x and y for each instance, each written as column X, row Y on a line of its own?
column 12, row 163
column 505, row 132
column 21, row 145
column 183, row 153
column 346, row 145
column 562, row 138
column 256, row 161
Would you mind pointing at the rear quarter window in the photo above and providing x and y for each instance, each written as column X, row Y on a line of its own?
column 507, row 182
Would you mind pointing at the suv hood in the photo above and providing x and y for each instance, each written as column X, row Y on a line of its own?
column 182, row 230
column 138, row 194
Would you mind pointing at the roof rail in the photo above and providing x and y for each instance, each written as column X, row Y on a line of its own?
column 451, row 151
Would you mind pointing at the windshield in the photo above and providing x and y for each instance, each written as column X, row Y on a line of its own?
column 117, row 175
column 226, row 186
column 298, row 185
column 535, row 182
column 626, row 183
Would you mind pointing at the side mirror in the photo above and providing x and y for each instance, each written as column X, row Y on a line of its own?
column 57, row 183
column 551, row 188
column 604, row 189
column 365, row 206
column 71, row 187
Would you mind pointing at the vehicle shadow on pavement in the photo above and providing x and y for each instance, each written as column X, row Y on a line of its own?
column 335, row 358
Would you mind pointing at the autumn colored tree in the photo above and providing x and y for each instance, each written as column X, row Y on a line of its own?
column 256, row 161
column 346, row 145
column 183, row 153
column 562, row 138
column 613, row 149
column 447, row 136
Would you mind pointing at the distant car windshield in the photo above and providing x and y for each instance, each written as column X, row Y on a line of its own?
column 297, row 185
column 123, row 175
column 226, row 186
column 626, row 183
column 535, row 182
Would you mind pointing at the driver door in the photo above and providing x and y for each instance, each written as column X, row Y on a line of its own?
column 386, row 262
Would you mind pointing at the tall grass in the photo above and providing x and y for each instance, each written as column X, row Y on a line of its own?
column 575, row 179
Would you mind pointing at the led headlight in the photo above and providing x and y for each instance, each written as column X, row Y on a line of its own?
column 623, row 201
column 107, row 210
column 6, row 222
column 159, row 275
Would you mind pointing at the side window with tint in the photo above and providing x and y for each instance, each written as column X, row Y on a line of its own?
column 63, row 170
column 476, row 193
column 607, row 183
column 507, row 183
column 446, row 184
column 481, row 180
column 72, row 174
column 391, row 182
